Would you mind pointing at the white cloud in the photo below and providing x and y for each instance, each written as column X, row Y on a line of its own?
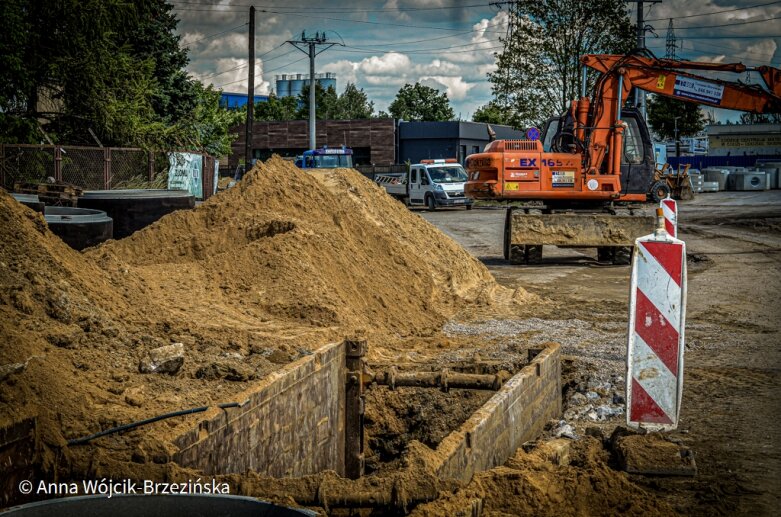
column 455, row 87
column 393, row 5
column 438, row 67
column 345, row 71
column 392, row 63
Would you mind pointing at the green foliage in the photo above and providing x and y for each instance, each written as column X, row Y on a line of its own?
column 109, row 66
column 326, row 102
column 354, row 104
column 538, row 72
column 206, row 127
column 662, row 112
column 284, row 108
column 492, row 113
column 760, row 118
column 421, row 103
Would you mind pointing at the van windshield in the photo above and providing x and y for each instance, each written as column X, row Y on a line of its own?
column 451, row 174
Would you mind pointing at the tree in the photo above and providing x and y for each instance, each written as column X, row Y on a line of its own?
column 154, row 38
column 760, row 118
column 492, row 113
column 354, row 104
column 276, row 108
column 325, row 102
column 108, row 67
column 539, row 72
column 421, row 103
column 663, row 112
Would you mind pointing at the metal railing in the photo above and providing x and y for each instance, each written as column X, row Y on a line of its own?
column 91, row 168
column 371, row 171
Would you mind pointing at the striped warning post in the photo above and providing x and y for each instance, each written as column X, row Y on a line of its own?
column 670, row 208
column 657, row 313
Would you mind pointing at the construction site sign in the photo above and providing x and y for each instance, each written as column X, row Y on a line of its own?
column 670, row 208
column 657, row 313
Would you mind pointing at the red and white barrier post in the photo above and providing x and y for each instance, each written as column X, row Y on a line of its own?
column 670, row 208
column 657, row 311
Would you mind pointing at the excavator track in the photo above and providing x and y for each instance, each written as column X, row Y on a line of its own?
column 612, row 231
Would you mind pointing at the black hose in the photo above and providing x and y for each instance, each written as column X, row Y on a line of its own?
column 132, row 425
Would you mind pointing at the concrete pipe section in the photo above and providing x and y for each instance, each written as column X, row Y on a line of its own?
column 156, row 506
column 79, row 227
column 132, row 210
column 30, row 201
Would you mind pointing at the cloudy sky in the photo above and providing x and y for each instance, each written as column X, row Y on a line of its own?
column 446, row 44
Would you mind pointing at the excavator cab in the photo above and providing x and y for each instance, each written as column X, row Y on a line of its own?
column 637, row 160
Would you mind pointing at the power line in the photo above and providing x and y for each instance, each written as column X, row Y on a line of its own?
column 211, row 36
column 264, row 72
column 239, row 67
column 427, row 50
column 710, row 44
column 307, row 8
column 716, row 12
column 385, row 24
column 423, row 53
column 734, row 37
column 715, row 52
column 727, row 24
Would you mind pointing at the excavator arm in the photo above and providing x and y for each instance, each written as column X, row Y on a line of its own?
column 599, row 118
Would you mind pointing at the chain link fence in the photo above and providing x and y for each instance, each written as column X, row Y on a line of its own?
column 26, row 164
column 91, row 168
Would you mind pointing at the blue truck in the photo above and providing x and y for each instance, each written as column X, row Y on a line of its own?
column 326, row 158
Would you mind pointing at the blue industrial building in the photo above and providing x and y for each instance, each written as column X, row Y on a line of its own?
column 237, row 100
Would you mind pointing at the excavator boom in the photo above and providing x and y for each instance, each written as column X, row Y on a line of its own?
column 601, row 155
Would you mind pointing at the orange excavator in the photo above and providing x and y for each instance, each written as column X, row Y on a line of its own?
column 585, row 181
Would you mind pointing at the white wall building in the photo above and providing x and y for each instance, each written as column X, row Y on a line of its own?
column 744, row 140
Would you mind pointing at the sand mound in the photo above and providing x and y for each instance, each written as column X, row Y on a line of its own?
column 252, row 279
column 313, row 250
column 531, row 484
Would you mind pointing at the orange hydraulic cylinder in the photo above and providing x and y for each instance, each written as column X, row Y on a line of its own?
column 582, row 117
column 614, row 167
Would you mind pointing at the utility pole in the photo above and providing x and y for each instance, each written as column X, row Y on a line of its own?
column 641, row 28
column 250, row 92
column 308, row 45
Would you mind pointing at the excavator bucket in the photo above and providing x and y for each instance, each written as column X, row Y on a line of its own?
column 612, row 234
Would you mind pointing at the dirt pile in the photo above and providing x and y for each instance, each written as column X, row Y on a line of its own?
column 50, row 301
column 252, row 279
column 288, row 254
column 559, row 478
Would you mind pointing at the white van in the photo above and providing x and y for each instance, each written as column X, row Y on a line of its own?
column 431, row 183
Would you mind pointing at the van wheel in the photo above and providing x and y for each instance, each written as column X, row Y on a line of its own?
column 432, row 205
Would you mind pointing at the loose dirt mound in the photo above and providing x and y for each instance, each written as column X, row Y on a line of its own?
column 549, row 482
column 324, row 252
column 282, row 263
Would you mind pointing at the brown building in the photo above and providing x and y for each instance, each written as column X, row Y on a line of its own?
column 373, row 141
